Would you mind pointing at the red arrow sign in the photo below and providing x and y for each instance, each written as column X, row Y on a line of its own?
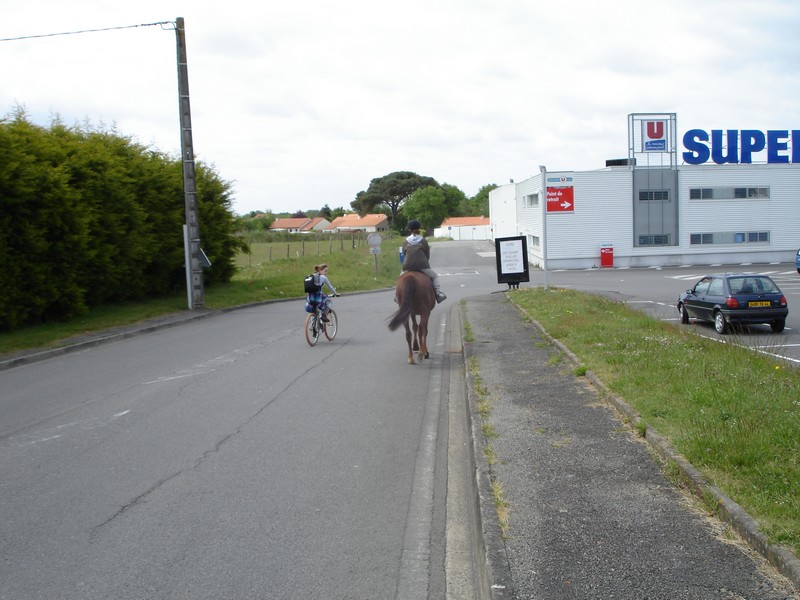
column 560, row 199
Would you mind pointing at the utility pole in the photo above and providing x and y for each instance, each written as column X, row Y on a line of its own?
column 191, row 231
column 543, row 171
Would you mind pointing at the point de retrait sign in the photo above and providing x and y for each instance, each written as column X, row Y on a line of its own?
column 561, row 199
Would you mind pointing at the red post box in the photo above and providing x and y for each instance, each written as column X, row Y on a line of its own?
column 607, row 256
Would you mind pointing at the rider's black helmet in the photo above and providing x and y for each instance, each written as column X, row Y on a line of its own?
column 413, row 225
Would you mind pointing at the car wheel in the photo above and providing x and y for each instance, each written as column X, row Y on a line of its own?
column 684, row 314
column 720, row 324
column 778, row 325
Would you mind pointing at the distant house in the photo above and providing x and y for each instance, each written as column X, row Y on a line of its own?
column 465, row 228
column 299, row 225
column 354, row 222
column 316, row 224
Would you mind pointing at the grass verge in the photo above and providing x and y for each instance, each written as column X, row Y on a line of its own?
column 733, row 413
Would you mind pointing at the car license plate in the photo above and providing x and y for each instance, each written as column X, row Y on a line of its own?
column 759, row 304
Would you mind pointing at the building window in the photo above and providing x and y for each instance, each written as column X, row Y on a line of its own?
column 530, row 201
column 730, row 237
column 654, row 240
column 728, row 193
column 533, row 241
column 701, row 193
column 654, row 196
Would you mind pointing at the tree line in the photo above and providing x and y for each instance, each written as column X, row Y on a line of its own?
column 90, row 217
column 407, row 195
column 402, row 196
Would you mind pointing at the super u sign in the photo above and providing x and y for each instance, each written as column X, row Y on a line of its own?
column 654, row 136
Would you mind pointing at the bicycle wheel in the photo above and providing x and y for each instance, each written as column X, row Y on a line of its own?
column 332, row 326
column 312, row 330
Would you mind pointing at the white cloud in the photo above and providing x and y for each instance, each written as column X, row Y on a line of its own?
column 302, row 104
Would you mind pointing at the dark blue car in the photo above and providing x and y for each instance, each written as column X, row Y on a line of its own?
column 735, row 299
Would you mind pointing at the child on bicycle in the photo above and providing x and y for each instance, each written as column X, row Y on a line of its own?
column 319, row 298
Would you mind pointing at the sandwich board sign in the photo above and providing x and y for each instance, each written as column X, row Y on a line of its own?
column 511, row 254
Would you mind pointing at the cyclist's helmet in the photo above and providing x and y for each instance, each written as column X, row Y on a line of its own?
column 413, row 225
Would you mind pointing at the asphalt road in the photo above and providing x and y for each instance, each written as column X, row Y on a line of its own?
column 226, row 458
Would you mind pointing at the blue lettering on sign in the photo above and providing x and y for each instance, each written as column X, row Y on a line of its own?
column 734, row 146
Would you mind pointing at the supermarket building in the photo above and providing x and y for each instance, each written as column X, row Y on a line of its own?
column 724, row 197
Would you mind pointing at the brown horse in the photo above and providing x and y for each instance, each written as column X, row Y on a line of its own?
column 415, row 298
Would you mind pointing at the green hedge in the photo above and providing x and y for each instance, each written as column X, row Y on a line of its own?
column 90, row 217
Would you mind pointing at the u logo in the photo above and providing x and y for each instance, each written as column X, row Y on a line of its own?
column 655, row 130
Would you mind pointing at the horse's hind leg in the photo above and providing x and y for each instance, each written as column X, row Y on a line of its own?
column 415, row 327
column 423, row 337
column 408, row 341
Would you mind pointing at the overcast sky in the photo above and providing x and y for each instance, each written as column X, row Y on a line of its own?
column 301, row 104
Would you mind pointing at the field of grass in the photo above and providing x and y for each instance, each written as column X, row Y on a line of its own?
column 734, row 414
column 262, row 276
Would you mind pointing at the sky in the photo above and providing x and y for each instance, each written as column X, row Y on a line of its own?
column 301, row 104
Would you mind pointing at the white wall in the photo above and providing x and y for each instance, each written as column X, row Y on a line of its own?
column 603, row 214
column 503, row 211
column 464, row 232
column 778, row 214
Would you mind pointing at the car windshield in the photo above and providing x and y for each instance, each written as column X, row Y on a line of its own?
column 752, row 285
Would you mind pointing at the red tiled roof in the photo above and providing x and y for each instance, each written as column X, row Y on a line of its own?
column 312, row 223
column 297, row 223
column 354, row 221
column 465, row 222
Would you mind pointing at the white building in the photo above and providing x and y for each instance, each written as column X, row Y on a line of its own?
column 464, row 228
column 718, row 206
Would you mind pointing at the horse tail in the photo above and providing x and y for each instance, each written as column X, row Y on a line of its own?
column 406, row 305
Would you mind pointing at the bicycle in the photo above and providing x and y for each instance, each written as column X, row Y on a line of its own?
column 316, row 326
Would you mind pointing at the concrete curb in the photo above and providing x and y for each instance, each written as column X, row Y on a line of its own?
column 493, row 547
column 781, row 557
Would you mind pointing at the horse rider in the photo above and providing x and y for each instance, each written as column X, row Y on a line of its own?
column 416, row 257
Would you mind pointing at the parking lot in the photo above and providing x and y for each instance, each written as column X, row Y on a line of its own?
column 655, row 291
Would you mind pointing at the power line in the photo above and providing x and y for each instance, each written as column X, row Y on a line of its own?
column 28, row 37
